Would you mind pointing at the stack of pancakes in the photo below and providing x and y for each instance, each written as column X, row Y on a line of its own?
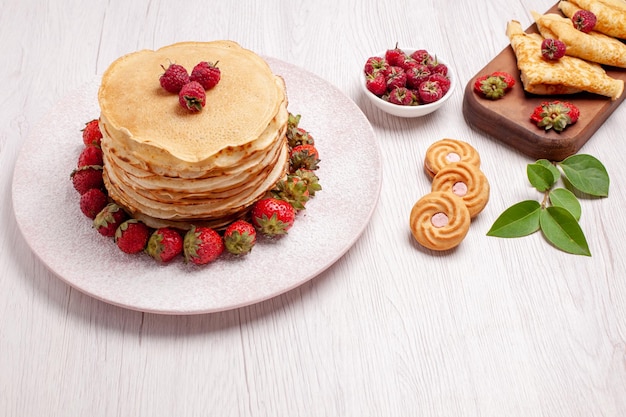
column 169, row 167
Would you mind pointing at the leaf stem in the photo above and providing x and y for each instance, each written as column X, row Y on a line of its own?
column 546, row 199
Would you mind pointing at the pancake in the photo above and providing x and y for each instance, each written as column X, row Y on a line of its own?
column 610, row 14
column 593, row 46
column 168, row 166
column 568, row 75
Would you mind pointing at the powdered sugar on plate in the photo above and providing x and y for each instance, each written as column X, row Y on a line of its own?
column 322, row 234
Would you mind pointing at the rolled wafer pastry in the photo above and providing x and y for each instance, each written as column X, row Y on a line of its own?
column 446, row 151
column 568, row 75
column 610, row 14
column 439, row 220
column 467, row 182
column 593, row 46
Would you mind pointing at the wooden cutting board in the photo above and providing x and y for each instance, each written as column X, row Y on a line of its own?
column 508, row 119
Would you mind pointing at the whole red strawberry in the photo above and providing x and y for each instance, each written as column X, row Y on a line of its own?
column 174, row 78
column 90, row 155
column 506, row 77
column 165, row 244
column 552, row 49
column 555, row 115
column 396, row 77
column 92, row 202
column 192, row 96
column 207, row 74
column 91, row 133
column 416, row 75
column 86, row 178
column 202, row 245
column 402, row 96
column 429, row 92
column 272, row 216
column 375, row 64
column 376, row 83
column 293, row 190
column 491, row 86
column 310, row 179
column 584, row 20
column 295, row 134
column 132, row 236
column 108, row 219
column 239, row 237
column 304, row 156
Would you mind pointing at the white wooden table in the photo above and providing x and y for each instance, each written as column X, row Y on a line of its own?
column 498, row 327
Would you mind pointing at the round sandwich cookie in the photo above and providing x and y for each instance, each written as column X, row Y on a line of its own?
column 467, row 182
column 439, row 220
column 447, row 151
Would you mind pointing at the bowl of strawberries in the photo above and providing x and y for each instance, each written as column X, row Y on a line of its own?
column 407, row 82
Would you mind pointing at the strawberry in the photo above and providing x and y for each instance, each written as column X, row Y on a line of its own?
column 376, row 83
column 174, row 78
column 429, row 92
column 202, row 245
column 552, row 49
column 443, row 80
column 90, row 155
column 192, row 96
column 555, row 115
column 375, row 64
column 239, row 237
column 416, row 75
column 423, row 57
column 165, row 244
column 207, row 74
column 86, row 178
column 272, row 216
column 310, row 179
column 91, row 133
column 395, row 57
column 396, row 77
column 92, row 202
column 304, row 156
column 108, row 219
column 584, row 20
column 132, row 236
column 402, row 96
column 506, row 77
column 293, row 190
column 491, row 86
column 295, row 134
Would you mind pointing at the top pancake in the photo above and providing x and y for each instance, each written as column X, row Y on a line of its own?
column 238, row 110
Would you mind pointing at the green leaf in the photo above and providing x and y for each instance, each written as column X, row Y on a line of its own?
column 586, row 174
column 561, row 228
column 518, row 220
column 540, row 177
column 553, row 169
column 562, row 197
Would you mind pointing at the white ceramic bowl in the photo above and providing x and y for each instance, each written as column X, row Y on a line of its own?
column 411, row 111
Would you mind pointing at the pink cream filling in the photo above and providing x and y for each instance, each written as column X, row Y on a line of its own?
column 453, row 157
column 459, row 188
column 439, row 220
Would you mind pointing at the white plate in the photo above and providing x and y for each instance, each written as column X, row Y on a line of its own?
column 48, row 214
